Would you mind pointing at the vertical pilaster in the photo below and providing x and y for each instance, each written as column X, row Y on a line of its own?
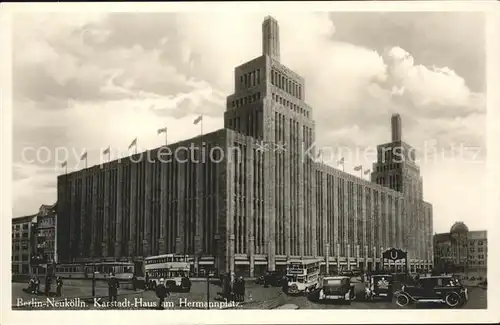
column 354, row 240
column 392, row 232
column 346, row 218
column 230, row 235
column 327, row 258
column 287, row 203
column 72, row 222
column 373, row 220
column 313, row 188
column 133, row 210
column 300, row 202
column 348, row 256
column 375, row 258
column 324, row 214
column 163, row 204
column 200, row 183
column 336, row 201
column 105, row 225
column 338, row 256
column 83, row 213
column 119, row 210
column 181, row 209
column 147, row 208
column 94, row 244
column 249, row 213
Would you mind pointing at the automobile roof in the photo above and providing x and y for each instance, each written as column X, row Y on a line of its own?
column 437, row 277
column 336, row 277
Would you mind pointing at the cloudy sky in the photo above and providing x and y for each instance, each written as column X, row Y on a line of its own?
column 83, row 82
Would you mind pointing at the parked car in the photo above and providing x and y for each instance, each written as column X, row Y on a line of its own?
column 379, row 286
column 273, row 278
column 433, row 289
column 346, row 273
column 337, row 288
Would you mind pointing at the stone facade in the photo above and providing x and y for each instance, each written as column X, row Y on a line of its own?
column 265, row 201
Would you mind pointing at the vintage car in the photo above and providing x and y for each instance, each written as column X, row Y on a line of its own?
column 379, row 286
column 433, row 289
column 272, row 278
column 337, row 288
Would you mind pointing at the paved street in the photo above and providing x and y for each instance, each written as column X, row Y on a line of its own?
column 257, row 297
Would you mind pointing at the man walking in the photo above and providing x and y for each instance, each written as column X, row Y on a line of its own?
column 161, row 293
column 113, row 286
column 59, row 284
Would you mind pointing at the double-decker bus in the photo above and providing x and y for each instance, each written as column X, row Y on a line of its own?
column 173, row 268
column 302, row 275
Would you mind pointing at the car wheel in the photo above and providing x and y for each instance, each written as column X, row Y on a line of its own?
column 402, row 300
column 452, row 299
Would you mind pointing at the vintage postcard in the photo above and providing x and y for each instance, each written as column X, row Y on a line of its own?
column 224, row 160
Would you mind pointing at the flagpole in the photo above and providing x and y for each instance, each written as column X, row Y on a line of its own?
column 135, row 147
column 361, row 171
column 109, row 154
column 85, row 160
column 166, row 137
column 66, row 168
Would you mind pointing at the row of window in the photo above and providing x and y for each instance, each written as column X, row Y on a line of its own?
column 18, row 227
column 245, row 100
column 250, row 79
column 286, row 84
column 24, row 258
column 18, row 235
column 288, row 104
column 388, row 167
column 473, row 250
column 479, row 242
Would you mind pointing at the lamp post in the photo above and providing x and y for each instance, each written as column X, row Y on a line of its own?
column 208, row 289
column 93, row 280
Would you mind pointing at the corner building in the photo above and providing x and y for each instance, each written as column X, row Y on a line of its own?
column 257, row 207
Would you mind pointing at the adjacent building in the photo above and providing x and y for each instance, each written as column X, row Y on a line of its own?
column 461, row 250
column 23, row 244
column 251, row 195
column 34, row 239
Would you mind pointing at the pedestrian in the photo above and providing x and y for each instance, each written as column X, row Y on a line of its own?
column 146, row 281
column 37, row 285
column 237, row 289
column 134, row 282
column 113, row 286
column 59, row 284
column 161, row 293
column 48, row 282
column 31, row 285
column 242, row 289
column 285, row 284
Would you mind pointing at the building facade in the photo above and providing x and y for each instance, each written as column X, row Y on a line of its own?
column 45, row 236
column 23, row 244
column 462, row 250
column 34, row 235
column 253, row 196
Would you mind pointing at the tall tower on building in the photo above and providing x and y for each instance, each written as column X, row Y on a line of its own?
column 396, row 168
column 268, row 105
column 271, row 38
column 396, row 127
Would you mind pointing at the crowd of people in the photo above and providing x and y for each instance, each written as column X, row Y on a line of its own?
column 233, row 288
column 34, row 286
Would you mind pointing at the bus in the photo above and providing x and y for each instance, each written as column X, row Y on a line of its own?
column 123, row 271
column 302, row 275
column 173, row 268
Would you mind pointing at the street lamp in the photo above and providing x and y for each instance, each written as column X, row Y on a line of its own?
column 93, row 279
column 208, row 289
